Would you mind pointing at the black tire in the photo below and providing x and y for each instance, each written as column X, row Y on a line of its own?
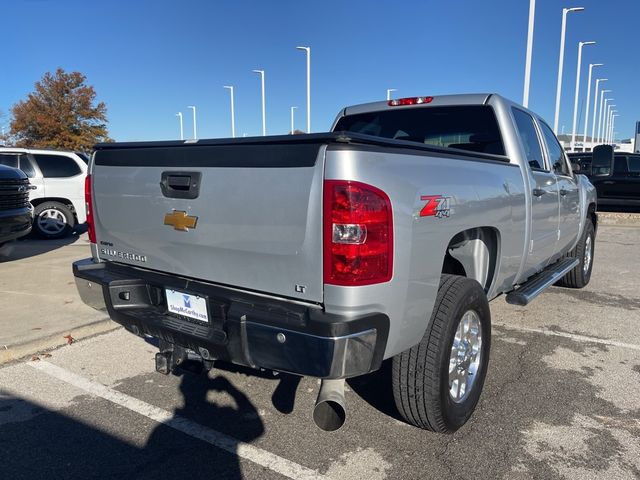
column 63, row 227
column 579, row 277
column 421, row 374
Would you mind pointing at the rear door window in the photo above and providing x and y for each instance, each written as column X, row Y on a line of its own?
column 56, row 166
column 9, row 159
column 83, row 157
column 556, row 152
column 620, row 165
column 634, row 165
column 529, row 139
column 18, row 160
column 467, row 127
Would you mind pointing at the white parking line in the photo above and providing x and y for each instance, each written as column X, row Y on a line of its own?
column 235, row 447
column 572, row 336
column 32, row 294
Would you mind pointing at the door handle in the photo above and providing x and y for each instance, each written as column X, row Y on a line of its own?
column 609, row 182
column 563, row 192
column 180, row 184
column 538, row 192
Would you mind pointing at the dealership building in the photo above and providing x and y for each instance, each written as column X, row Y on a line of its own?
column 626, row 145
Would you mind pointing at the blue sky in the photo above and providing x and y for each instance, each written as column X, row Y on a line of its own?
column 150, row 59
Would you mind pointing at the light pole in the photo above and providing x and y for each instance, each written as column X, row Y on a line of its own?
column 611, row 122
column 565, row 12
column 179, row 115
column 601, row 113
column 595, row 109
column 527, row 63
column 308, row 50
column 292, row 122
column 603, row 125
column 605, row 131
column 608, row 129
column 264, row 113
column 577, row 94
column 609, row 113
column 586, row 116
column 612, row 129
column 389, row 90
column 195, row 130
column 233, row 117
column 605, row 119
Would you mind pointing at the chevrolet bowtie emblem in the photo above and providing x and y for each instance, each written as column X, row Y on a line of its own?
column 180, row 220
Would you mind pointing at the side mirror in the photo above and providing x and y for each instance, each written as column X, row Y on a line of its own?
column 602, row 163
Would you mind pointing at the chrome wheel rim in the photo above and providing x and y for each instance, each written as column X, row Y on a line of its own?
column 466, row 354
column 588, row 255
column 52, row 221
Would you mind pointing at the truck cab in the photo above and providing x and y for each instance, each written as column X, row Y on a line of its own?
column 616, row 178
column 325, row 254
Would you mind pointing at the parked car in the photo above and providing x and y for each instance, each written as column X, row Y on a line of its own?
column 16, row 213
column 616, row 177
column 325, row 254
column 58, row 181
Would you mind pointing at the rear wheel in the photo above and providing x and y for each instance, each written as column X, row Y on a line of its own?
column 53, row 220
column 581, row 274
column 437, row 383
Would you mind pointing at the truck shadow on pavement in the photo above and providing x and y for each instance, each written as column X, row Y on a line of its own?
column 32, row 246
column 82, row 440
column 552, row 408
column 375, row 389
column 284, row 395
column 173, row 457
column 601, row 299
column 619, row 208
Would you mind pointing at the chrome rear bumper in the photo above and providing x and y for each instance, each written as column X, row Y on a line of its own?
column 245, row 328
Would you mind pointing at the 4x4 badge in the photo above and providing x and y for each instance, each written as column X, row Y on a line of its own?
column 179, row 220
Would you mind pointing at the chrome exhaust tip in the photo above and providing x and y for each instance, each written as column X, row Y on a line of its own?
column 329, row 413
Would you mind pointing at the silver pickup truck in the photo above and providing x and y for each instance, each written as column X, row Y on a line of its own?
column 326, row 254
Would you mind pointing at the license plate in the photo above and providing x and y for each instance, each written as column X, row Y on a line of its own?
column 187, row 305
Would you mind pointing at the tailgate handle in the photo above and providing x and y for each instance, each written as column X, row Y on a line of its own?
column 180, row 184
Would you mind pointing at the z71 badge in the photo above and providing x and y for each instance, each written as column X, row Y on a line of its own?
column 436, row 206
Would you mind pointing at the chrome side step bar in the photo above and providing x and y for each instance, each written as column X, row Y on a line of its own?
column 540, row 282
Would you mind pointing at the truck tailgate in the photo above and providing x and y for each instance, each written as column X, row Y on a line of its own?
column 258, row 209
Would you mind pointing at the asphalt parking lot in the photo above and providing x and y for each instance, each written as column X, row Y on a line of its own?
column 561, row 400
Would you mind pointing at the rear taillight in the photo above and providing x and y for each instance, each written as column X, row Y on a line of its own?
column 358, row 234
column 399, row 102
column 89, row 204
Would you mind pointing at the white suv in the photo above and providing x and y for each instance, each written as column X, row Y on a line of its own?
column 58, row 178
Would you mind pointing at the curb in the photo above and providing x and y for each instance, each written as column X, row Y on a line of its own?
column 15, row 352
column 619, row 218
